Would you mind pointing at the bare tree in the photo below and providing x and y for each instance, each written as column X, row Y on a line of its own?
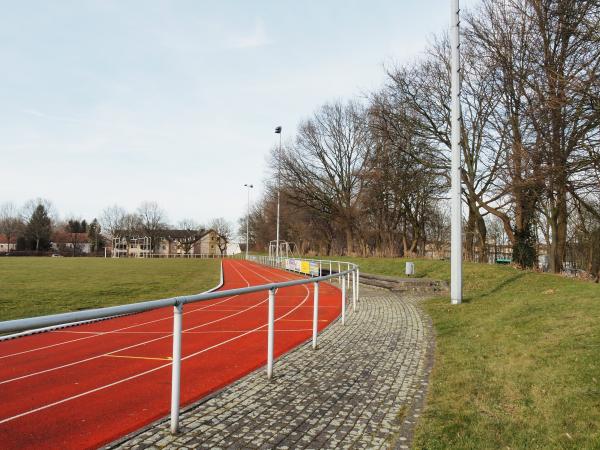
column 224, row 232
column 416, row 102
column 112, row 219
column 11, row 223
column 188, row 234
column 322, row 171
column 562, row 89
column 131, row 225
column 153, row 221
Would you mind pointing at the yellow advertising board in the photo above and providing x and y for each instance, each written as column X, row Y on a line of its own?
column 305, row 267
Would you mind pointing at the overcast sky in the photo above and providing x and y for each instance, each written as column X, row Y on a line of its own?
column 117, row 102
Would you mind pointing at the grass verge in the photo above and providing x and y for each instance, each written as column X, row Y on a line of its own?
column 517, row 365
column 32, row 286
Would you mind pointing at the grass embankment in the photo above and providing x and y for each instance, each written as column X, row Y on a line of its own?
column 517, row 365
column 38, row 286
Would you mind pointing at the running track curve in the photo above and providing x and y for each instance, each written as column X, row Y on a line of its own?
column 87, row 385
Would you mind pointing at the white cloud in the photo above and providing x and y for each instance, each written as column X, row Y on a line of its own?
column 256, row 38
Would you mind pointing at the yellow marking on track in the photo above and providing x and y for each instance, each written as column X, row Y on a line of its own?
column 301, row 320
column 168, row 358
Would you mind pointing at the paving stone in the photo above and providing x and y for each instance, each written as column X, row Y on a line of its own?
column 346, row 394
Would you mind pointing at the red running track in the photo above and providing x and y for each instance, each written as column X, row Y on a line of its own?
column 87, row 385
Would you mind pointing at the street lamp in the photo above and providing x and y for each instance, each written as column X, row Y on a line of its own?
column 249, row 186
column 456, row 222
column 278, row 131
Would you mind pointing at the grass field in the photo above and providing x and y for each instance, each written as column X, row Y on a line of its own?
column 38, row 286
column 517, row 364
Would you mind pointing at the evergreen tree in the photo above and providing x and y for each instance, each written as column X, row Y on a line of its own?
column 38, row 229
column 94, row 237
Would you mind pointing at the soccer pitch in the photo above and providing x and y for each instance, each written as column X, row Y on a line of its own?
column 34, row 286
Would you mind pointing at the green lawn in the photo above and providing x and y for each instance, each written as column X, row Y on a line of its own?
column 38, row 286
column 517, row 365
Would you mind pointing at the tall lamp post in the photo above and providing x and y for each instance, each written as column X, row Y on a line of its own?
column 248, row 186
column 456, row 221
column 278, row 131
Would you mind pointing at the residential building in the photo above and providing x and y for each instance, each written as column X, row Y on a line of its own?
column 6, row 246
column 167, row 243
column 75, row 243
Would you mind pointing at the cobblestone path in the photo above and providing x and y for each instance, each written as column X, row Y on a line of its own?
column 362, row 388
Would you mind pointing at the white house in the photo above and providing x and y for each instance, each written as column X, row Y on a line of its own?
column 6, row 246
column 233, row 248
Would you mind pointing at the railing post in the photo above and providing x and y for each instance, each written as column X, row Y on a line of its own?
column 354, row 291
column 357, row 284
column 176, row 367
column 270, row 333
column 315, row 315
column 320, row 269
column 348, row 278
column 343, row 300
column 339, row 270
column 330, row 267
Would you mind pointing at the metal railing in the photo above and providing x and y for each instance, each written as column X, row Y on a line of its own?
column 345, row 272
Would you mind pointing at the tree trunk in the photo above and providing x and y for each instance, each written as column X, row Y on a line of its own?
column 482, row 238
column 470, row 236
column 559, row 233
column 349, row 240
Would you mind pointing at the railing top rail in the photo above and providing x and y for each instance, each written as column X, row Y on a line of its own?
column 311, row 259
column 17, row 325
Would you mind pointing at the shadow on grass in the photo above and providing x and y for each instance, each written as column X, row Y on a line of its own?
column 502, row 285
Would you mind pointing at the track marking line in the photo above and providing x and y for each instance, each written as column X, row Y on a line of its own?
column 140, row 374
column 81, row 361
column 167, row 358
column 125, row 332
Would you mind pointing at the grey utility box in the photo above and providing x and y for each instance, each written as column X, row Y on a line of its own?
column 410, row 268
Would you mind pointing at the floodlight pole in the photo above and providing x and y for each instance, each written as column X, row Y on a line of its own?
column 455, row 171
column 249, row 186
column 278, row 131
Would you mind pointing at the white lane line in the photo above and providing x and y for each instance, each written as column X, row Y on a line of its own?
column 190, row 311
column 81, row 361
column 132, row 377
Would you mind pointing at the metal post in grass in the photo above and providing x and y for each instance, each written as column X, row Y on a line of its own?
column 176, row 367
column 315, row 315
column 343, row 300
column 455, row 175
column 270, row 333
